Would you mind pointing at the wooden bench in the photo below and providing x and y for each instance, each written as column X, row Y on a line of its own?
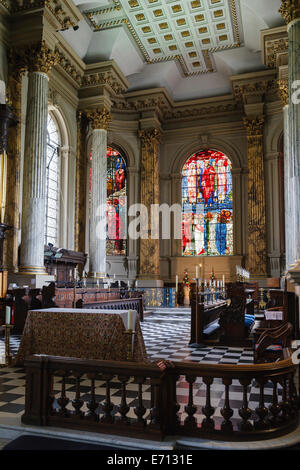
column 271, row 343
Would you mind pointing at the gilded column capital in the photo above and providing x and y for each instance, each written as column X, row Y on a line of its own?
column 149, row 137
column 99, row 118
column 290, row 10
column 283, row 91
column 37, row 58
column 254, row 128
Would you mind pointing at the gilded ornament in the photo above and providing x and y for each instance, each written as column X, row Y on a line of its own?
column 290, row 10
column 283, row 91
column 99, row 118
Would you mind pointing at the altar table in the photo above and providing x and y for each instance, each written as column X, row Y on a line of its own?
column 82, row 333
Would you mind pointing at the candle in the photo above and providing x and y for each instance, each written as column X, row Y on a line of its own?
column 114, row 276
column 223, row 281
column 197, row 272
column 7, row 315
column 130, row 318
column 136, row 283
column 128, row 284
column 95, row 273
column 98, row 282
column 176, row 283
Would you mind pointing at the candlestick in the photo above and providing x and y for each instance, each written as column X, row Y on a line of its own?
column 130, row 319
column 7, row 315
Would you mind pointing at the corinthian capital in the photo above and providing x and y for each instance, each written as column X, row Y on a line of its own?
column 283, row 91
column 254, row 128
column 99, row 118
column 38, row 58
column 290, row 10
column 149, row 137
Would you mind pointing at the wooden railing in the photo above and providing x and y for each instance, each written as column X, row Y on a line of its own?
column 118, row 304
column 156, row 411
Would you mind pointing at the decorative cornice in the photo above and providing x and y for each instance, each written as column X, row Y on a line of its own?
column 103, row 78
column 254, row 128
column 99, row 118
column 290, row 10
column 283, row 91
column 63, row 11
column 72, row 71
column 273, row 49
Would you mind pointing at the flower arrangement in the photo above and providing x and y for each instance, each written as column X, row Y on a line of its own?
column 212, row 277
column 186, row 280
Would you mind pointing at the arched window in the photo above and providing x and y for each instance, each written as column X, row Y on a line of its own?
column 116, row 203
column 207, row 227
column 52, row 183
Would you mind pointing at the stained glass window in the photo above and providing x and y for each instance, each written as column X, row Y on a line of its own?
column 116, row 204
column 52, row 183
column 207, row 227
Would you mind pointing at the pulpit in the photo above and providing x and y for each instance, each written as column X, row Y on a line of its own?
column 61, row 263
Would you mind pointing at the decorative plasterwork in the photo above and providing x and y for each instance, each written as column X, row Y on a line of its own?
column 104, row 74
column 290, row 10
column 99, row 118
column 253, row 86
column 283, row 91
column 275, row 47
column 64, row 11
column 35, row 58
column 188, row 32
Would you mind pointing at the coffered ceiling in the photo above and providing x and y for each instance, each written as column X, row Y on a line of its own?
column 190, row 47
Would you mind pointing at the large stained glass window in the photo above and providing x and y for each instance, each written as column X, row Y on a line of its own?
column 52, row 183
column 207, row 226
column 116, row 203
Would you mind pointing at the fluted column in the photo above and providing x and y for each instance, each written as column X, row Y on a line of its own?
column 149, row 247
column 100, row 120
column 81, row 181
column 13, row 167
column 289, row 206
column 290, row 10
column 257, row 245
column 40, row 60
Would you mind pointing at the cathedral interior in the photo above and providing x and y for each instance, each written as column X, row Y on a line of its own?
column 149, row 163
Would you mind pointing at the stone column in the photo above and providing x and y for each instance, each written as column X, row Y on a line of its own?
column 81, row 182
column 283, row 89
column 290, row 10
column 100, row 120
column 40, row 59
column 257, row 245
column 13, row 167
column 149, row 247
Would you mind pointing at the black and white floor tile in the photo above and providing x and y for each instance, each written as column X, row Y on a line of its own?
column 165, row 338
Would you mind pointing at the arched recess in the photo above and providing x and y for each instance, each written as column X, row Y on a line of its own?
column 207, row 203
column 239, row 188
column 122, row 265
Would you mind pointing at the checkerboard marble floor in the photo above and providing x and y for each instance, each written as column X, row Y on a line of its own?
column 167, row 339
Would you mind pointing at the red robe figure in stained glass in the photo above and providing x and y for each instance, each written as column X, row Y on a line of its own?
column 208, row 182
column 115, row 225
column 186, row 233
column 192, row 183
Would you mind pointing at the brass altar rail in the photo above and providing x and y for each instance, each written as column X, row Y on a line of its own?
column 160, row 415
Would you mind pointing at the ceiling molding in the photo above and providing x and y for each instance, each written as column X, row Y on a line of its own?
column 187, row 33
